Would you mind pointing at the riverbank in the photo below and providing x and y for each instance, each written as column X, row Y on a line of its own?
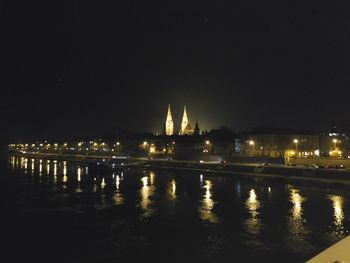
column 288, row 174
column 276, row 172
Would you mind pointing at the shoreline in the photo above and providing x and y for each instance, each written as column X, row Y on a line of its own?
column 330, row 177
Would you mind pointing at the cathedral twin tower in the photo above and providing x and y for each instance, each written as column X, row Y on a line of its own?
column 186, row 128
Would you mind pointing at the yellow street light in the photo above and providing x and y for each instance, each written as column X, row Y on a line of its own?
column 207, row 142
column 296, row 146
column 335, row 141
column 252, row 143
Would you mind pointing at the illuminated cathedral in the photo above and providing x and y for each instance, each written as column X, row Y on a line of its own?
column 185, row 129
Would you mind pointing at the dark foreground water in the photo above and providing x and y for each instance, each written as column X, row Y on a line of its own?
column 62, row 213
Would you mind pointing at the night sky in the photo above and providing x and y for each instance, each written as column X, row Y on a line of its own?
column 93, row 67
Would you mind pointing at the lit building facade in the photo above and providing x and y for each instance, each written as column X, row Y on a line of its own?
column 280, row 144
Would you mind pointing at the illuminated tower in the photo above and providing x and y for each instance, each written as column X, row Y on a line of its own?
column 185, row 125
column 169, row 124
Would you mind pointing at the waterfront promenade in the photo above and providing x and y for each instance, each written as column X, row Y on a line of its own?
column 298, row 173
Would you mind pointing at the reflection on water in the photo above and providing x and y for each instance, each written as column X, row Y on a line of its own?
column 253, row 223
column 118, row 198
column 55, row 172
column 55, row 169
column 172, row 189
column 33, row 166
column 40, row 168
column 13, row 162
column 337, row 202
column 65, row 178
column 103, row 183
column 147, row 192
column 79, row 174
column 247, row 210
column 296, row 222
column 207, row 204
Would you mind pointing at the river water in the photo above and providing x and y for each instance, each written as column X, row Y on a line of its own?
column 62, row 212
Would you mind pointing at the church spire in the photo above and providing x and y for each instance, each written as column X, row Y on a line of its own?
column 169, row 123
column 184, row 122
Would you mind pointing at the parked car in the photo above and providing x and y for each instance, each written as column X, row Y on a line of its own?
column 313, row 165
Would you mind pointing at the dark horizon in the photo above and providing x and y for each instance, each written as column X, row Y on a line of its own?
column 93, row 68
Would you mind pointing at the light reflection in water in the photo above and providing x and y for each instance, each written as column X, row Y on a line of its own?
column 65, row 178
column 172, row 189
column 79, row 174
column 253, row 223
column 118, row 198
column 48, row 168
column 151, row 176
column 23, row 163
column 64, row 170
column 296, row 211
column 338, row 214
column 207, row 206
column 296, row 222
column 55, row 169
column 103, row 183
column 13, row 162
column 55, row 172
column 33, row 166
column 117, row 182
column 40, row 168
column 147, row 192
column 173, row 184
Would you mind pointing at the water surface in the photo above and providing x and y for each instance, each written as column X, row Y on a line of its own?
column 63, row 212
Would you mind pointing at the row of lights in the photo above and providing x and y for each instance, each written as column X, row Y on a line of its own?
column 296, row 141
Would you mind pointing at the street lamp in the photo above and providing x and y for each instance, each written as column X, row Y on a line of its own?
column 252, row 143
column 296, row 145
column 207, row 142
column 335, row 143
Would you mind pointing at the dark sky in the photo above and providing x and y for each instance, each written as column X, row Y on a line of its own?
column 85, row 67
